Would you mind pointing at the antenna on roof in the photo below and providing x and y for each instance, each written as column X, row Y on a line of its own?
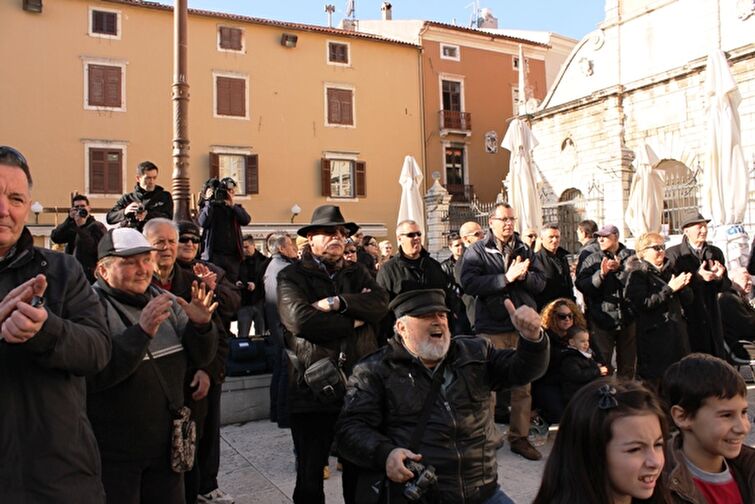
column 474, row 18
column 330, row 9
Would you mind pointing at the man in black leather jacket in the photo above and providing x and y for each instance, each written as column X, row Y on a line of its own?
column 330, row 309
column 387, row 391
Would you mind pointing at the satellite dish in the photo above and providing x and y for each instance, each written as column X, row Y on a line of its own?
column 531, row 105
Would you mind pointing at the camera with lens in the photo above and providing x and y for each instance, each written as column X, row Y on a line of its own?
column 81, row 212
column 220, row 189
column 424, row 478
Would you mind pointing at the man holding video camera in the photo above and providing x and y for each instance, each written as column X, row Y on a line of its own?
column 81, row 233
column 221, row 220
column 419, row 412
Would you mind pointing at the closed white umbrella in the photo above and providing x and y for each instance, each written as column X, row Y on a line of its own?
column 725, row 187
column 645, row 206
column 522, row 178
column 412, row 203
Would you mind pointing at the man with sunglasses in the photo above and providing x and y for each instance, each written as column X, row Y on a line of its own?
column 330, row 309
column 53, row 333
column 81, row 233
column 497, row 268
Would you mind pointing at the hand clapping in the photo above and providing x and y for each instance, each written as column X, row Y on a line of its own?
column 201, row 307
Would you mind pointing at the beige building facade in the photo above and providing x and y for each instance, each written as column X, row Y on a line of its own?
column 297, row 114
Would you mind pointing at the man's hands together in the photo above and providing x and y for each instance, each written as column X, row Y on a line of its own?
column 19, row 320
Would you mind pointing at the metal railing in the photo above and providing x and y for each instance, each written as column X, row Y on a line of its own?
column 453, row 120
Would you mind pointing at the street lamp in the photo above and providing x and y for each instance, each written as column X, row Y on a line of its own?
column 37, row 208
column 295, row 210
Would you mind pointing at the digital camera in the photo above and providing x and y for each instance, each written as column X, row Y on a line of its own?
column 424, row 478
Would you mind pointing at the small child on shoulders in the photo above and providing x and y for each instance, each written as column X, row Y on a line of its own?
column 578, row 364
column 707, row 460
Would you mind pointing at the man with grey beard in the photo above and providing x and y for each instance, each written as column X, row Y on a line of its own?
column 386, row 395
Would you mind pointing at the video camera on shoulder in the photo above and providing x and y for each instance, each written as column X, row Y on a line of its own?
column 219, row 188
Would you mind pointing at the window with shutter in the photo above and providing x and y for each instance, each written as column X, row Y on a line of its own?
column 104, row 86
column 231, row 38
column 340, row 106
column 230, row 93
column 104, row 23
column 252, row 174
column 343, row 178
column 105, row 171
column 338, row 53
column 242, row 168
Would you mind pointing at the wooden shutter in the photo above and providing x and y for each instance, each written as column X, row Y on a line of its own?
column 105, row 23
column 231, row 96
column 230, row 38
column 252, row 174
column 113, row 87
column 96, row 85
column 347, row 109
column 325, row 176
column 340, row 108
column 360, row 174
column 104, row 86
column 97, row 171
column 334, row 107
column 105, row 171
column 338, row 53
column 214, row 165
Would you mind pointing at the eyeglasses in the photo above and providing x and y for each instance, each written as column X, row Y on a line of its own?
column 565, row 316
column 416, row 234
column 187, row 239
column 657, row 248
column 505, row 220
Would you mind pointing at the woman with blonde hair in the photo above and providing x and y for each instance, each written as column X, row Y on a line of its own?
column 557, row 317
column 655, row 295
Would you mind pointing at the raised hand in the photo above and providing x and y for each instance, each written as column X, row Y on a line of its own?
column 679, row 281
column 209, row 277
column 525, row 320
column 705, row 274
column 608, row 265
column 201, row 307
column 155, row 313
column 717, row 269
column 517, row 270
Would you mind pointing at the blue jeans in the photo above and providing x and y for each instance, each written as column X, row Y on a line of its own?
column 499, row 498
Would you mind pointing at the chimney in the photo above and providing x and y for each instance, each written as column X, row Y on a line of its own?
column 386, row 11
column 487, row 19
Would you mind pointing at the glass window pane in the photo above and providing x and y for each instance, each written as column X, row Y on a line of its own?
column 341, row 185
column 234, row 166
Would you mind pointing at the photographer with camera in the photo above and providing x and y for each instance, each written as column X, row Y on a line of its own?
column 147, row 201
column 81, row 233
column 221, row 219
column 419, row 410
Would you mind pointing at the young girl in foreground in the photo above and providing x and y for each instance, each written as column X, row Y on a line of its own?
column 609, row 448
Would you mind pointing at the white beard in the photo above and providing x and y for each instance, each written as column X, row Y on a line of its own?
column 433, row 350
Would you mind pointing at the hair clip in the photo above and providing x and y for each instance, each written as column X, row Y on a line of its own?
column 607, row 399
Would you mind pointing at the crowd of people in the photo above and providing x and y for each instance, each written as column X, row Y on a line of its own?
column 114, row 352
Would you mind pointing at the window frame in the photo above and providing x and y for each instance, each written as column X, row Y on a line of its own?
column 358, row 169
column 451, row 78
column 233, row 51
column 104, row 62
column 109, row 145
column 465, row 160
column 450, row 58
column 344, row 87
column 118, row 23
column 338, row 63
column 247, row 104
column 247, row 153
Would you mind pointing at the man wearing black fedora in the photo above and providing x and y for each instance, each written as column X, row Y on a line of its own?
column 330, row 309
column 706, row 263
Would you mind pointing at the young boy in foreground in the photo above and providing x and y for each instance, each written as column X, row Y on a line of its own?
column 707, row 461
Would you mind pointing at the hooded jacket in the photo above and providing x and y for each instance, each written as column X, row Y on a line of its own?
column 157, row 203
column 48, row 452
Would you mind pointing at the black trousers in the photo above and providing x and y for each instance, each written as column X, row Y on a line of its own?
column 150, row 481
column 203, row 477
column 312, row 433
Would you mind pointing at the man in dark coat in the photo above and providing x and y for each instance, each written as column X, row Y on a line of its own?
column 147, row 201
column 52, row 334
column 460, row 323
column 251, row 284
column 471, row 232
column 553, row 259
column 738, row 313
column 496, row 268
column 586, row 230
column 706, row 263
column 330, row 309
column 81, row 233
column 601, row 280
column 387, row 392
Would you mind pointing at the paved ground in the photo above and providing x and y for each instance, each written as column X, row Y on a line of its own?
column 257, row 466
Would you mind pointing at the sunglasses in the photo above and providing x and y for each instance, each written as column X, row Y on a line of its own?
column 187, row 239
column 657, row 248
column 565, row 316
column 416, row 234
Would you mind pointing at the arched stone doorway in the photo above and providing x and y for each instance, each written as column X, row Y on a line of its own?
column 571, row 210
column 680, row 193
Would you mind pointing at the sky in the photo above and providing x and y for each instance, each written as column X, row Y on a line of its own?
column 573, row 18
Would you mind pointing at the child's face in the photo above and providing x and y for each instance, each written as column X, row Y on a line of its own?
column 717, row 431
column 634, row 456
column 580, row 341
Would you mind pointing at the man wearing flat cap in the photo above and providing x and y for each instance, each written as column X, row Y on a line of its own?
column 709, row 278
column 387, row 397
column 330, row 309
column 601, row 280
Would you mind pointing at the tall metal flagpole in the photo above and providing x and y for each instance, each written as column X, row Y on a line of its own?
column 181, row 188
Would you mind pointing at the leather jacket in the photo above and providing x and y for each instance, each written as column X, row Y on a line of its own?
column 385, row 397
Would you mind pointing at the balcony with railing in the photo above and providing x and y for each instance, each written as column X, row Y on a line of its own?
column 457, row 121
column 460, row 192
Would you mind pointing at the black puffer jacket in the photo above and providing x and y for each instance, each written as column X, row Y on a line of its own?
column 558, row 282
column 661, row 329
column 577, row 370
column 312, row 334
column 604, row 297
column 48, row 451
column 386, row 395
column 81, row 242
column 157, row 203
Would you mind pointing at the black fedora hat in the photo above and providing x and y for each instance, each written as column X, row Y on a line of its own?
column 691, row 217
column 326, row 216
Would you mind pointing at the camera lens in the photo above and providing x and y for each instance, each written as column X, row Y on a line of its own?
column 83, row 212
